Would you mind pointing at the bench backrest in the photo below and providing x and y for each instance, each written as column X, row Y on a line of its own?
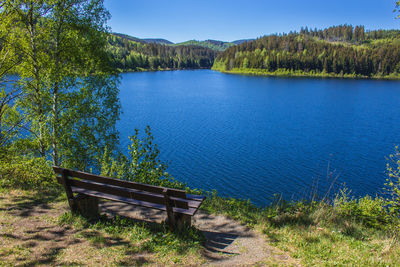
column 124, row 189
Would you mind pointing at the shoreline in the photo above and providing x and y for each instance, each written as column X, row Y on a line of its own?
column 153, row 70
column 277, row 74
column 297, row 74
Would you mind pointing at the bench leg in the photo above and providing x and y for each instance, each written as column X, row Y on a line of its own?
column 183, row 220
column 87, row 206
column 179, row 221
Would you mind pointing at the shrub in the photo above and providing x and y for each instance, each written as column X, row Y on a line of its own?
column 26, row 172
column 392, row 184
column 367, row 210
column 142, row 164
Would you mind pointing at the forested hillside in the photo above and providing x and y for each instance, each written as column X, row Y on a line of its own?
column 131, row 55
column 336, row 51
column 212, row 44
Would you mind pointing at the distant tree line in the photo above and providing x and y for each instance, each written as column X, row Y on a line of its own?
column 131, row 55
column 339, row 50
column 348, row 33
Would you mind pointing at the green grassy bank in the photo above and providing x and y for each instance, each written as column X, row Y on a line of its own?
column 298, row 73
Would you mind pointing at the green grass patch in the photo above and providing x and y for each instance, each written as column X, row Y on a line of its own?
column 138, row 237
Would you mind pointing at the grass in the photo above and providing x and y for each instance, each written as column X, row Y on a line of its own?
column 347, row 232
column 140, row 237
column 300, row 73
column 323, row 237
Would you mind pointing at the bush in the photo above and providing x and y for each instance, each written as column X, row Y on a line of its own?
column 26, row 172
column 142, row 164
column 367, row 210
column 393, row 183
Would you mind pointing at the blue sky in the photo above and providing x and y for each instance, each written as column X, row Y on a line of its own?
column 178, row 20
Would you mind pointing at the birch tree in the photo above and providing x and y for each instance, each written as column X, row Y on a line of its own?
column 70, row 93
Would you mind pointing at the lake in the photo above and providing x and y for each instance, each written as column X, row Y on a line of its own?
column 253, row 137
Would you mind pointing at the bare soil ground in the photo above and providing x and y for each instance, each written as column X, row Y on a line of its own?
column 30, row 235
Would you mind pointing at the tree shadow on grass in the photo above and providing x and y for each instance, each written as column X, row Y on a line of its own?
column 36, row 241
column 32, row 202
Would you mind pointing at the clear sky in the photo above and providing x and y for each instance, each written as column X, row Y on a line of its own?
column 229, row 20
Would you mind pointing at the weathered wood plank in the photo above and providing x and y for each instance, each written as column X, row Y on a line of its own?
column 119, row 182
column 195, row 197
column 189, row 211
column 132, row 193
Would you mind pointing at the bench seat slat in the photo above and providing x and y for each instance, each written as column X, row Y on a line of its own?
column 189, row 211
column 195, row 197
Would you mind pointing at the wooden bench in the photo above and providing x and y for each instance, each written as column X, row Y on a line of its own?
column 84, row 190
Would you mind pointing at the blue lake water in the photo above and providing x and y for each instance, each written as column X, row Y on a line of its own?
column 253, row 137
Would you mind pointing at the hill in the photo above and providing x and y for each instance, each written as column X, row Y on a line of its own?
column 241, row 41
column 157, row 41
column 211, row 44
column 339, row 51
column 133, row 54
column 128, row 37
column 144, row 40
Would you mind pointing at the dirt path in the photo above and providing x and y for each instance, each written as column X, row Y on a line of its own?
column 228, row 242
column 30, row 235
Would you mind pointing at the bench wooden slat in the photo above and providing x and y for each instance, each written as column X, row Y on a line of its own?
column 178, row 202
column 195, row 197
column 130, row 193
column 119, row 182
column 189, row 211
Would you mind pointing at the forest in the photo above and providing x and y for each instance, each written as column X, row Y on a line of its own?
column 336, row 51
column 212, row 44
column 133, row 55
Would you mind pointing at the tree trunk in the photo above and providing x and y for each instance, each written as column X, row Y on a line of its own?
column 55, row 126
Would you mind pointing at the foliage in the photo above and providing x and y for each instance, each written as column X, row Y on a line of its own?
column 142, row 164
column 26, row 172
column 367, row 210
column 89, row 122
column 393, row 183
column 70, row 95
column 10, row 118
